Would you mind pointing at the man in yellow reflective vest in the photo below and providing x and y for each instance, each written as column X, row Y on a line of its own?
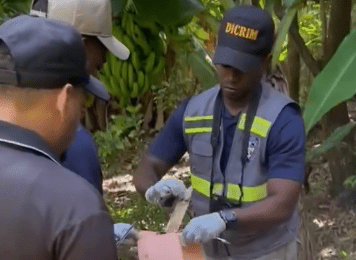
column 246, row 146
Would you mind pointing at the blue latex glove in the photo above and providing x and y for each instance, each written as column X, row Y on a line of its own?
column 202, row 229
column 165, row 190
column 120, row 229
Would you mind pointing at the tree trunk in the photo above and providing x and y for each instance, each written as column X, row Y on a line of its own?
column 341, row 159
column 293, row 59
column 101, row 113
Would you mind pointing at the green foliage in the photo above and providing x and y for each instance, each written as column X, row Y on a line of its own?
column 310, row 27
column 309, row 24
column 268, row 6
column 142, row 214
column 202, row 67
column 290, row 3
column 212, row 14
column 180, row 84
column 334, row 84
column 214, row 9
column 130, row 80
column 282, row 34
column 227, row 4
column 188, row 43
column 10, row 8
column 119, row 136
column 118, row 6
column 350, row 181
column 168, row 12
column 334, row 139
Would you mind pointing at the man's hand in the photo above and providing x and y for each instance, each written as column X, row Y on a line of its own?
column 120, row 230
column 203, row 228
column 164, row 192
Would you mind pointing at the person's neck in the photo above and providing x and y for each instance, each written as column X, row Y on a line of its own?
column 28, row 121
column 235, row 105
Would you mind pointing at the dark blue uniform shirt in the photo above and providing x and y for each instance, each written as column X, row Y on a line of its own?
column 285, row 144
column 82, row 159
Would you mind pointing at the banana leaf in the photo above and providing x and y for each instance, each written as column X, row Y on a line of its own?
column 212, row 22
column 168, row 12
column 269, row 6
column 21, row 6
column 9, row 8
column 117, row 6
column 334, row 85
column 290, row 3
column 242, row 2
column 282, row 34
column 227, row 4
column 333, row 140
column 202, row 68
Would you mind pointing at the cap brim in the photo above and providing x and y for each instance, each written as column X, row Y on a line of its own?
column 115, row 47
column 242, row 61
column 97, row 88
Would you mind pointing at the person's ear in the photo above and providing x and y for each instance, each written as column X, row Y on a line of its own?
column 64, row 97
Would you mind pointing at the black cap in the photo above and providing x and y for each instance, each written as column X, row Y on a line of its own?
column 246, row 36
column 46, row 54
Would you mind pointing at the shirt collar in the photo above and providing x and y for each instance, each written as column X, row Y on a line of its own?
column 18, row 136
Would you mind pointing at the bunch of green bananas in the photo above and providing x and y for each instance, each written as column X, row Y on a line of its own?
column 145, row 67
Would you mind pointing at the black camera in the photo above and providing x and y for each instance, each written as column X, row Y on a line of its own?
column 218, row 203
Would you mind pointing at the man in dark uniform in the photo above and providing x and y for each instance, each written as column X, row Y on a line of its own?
column 246, row 147
column 93, row 20
column 47, row 212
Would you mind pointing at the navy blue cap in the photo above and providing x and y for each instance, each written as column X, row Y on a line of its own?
column 46, row 54
column 246, row 37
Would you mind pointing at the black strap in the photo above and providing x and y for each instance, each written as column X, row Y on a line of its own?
column 250, row 115
column 218, row 106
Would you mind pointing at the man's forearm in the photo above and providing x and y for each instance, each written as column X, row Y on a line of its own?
column 262, row 214
column 144, row 177
column 277, row 207
column 149, row 171
column 143, row 181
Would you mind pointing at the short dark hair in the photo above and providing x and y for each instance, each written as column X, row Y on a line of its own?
column 94, row 39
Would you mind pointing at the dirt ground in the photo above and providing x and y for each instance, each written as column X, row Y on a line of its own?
column 332, row 228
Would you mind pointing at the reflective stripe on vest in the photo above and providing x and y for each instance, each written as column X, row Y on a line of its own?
column 203, row 124
column 259, row 126
column 251, row 194
column 198, row 124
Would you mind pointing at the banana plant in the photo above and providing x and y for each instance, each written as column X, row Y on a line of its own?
column 334, row 139
column 118, row 6
column 9, row 8
column 334, row 85
column 202, row 67
column 168, row 12
column 290, row 9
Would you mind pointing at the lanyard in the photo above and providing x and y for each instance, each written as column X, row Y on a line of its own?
column 218, row 106
column 250, row 115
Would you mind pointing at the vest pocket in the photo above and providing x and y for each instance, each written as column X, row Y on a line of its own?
column 201, row 158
